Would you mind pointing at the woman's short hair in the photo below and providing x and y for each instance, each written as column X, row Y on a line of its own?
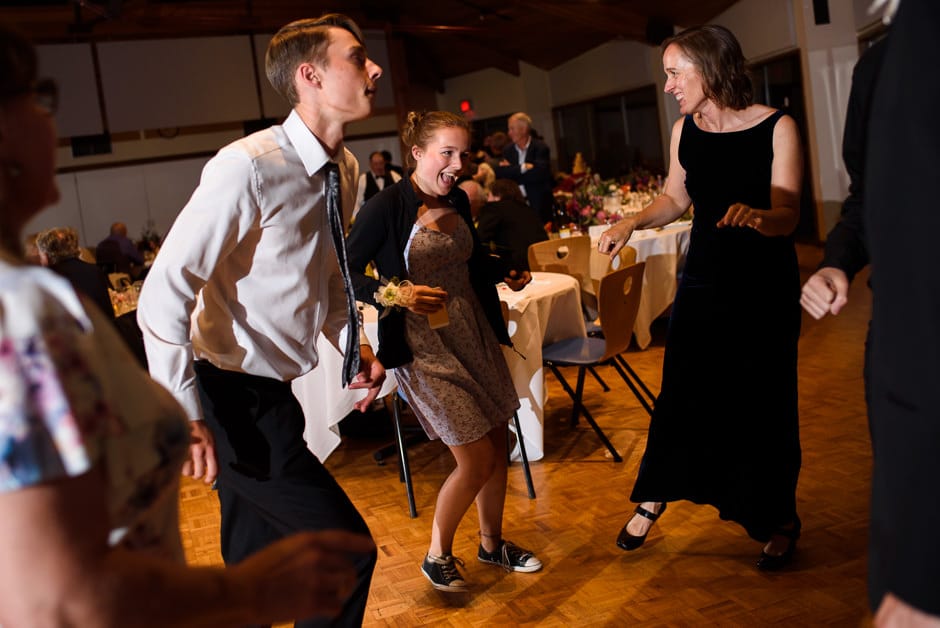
column 18, row 65
column 507, row 189
column 58, row 244
column 715, row 51
column 420, row 127
column 298, row 42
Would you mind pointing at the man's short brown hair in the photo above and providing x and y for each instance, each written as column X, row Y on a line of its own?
column 298, row 42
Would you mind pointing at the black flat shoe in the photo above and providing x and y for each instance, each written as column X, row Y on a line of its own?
column 770, row 562
column 627, row 541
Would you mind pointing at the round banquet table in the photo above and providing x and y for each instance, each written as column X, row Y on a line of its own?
column 545, row 311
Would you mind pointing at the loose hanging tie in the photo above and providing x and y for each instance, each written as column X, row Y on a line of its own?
column 333, row 210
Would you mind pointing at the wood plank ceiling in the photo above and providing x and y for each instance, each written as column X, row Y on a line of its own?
column 441, row 38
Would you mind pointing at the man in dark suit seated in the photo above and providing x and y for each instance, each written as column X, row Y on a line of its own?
column 58, row 251
column 509, row 226
column 117, row 254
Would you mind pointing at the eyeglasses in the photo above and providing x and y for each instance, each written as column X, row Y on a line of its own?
column 47, row 95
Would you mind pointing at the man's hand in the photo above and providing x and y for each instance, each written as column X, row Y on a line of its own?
column 894, row 613
column 517, row 280
column 304, row 575
column 826, row 291
column 202, row 462
column 371, row 376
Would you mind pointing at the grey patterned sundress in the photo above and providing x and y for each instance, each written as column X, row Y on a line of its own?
column 458, row 384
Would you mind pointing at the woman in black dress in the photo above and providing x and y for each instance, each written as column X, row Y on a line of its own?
column 725, row 431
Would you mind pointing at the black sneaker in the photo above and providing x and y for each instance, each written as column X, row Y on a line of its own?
column 510, row 557
column 442, row 572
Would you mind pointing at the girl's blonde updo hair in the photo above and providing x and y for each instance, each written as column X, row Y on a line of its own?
column 420, row 127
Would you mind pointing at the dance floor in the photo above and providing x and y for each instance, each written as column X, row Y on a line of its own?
column 694, row 570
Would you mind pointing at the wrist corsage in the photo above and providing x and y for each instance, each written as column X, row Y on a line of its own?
column 394, row 293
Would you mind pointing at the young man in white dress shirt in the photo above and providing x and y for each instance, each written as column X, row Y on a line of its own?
column 251, row 254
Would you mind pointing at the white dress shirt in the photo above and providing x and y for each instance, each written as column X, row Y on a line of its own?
column 521, row 151
column 247, row 276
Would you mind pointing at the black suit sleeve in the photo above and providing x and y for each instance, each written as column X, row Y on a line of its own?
column 902, row 223
column 846, row 246
column 366, row 237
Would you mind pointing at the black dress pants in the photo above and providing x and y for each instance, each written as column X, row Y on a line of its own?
column 270, row 485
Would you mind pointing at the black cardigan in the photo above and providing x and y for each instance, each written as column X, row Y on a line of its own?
column 380, row 234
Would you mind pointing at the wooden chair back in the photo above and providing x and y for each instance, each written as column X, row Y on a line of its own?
column 618, row 303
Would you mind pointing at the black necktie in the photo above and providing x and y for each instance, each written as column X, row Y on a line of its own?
column 334, row 211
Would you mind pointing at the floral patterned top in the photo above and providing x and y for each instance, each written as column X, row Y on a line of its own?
column 72, row 397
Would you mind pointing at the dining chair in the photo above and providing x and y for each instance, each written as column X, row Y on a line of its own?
column 619, row 300
column 602, row 264
column 119, row 281
column 569, row 256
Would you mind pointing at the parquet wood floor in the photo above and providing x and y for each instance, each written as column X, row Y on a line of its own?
column 694, row 570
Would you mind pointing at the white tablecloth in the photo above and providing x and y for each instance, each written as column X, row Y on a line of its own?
column 664, row 252
column 546, row 310
column 321, row 394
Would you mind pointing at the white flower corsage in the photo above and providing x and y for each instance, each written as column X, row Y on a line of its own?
column 394, row 293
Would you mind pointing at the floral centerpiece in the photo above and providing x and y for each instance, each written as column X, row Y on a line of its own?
column 584, row 199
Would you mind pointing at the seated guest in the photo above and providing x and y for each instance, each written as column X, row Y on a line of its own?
column 376, row 179
column 117, row 253
column 30, row 252
column 508, row 225
column 477, row 196
column 59, row 251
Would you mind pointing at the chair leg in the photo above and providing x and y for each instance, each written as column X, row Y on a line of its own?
column 598, row 378
column 636, row 377
column 633, row 387
column 579, row 407
column 567, row 388
column 525, row 458
column 404, row 469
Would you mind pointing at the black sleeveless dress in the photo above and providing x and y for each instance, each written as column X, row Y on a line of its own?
column 725, row 430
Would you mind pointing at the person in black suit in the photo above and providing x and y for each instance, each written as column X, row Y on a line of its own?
column 846, row 251
column 58, row 251
column 374, row 180
column 902, row 223
column 508, row 225
column 527, row 161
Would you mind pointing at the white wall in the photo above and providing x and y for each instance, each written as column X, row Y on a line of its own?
column 171, row 83
column 493, row 93
column 72, row 68
column 828, row 53
column 92, row 200
column 763, row 27
column 613, row 67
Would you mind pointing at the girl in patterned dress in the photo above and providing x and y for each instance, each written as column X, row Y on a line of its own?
column 454, row 376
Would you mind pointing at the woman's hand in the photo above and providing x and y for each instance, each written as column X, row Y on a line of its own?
column 428, row 300
column 740, row 215
column 615, row 238
column 308, row 574
column 517, row 280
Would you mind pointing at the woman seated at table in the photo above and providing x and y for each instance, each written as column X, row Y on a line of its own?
column 454, row 376
column 91, row 448
column 508, row 225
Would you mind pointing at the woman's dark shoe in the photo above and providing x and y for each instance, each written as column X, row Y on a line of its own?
column 627, row 541
column 771, row 562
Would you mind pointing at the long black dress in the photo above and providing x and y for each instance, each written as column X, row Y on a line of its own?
column 725, row 430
